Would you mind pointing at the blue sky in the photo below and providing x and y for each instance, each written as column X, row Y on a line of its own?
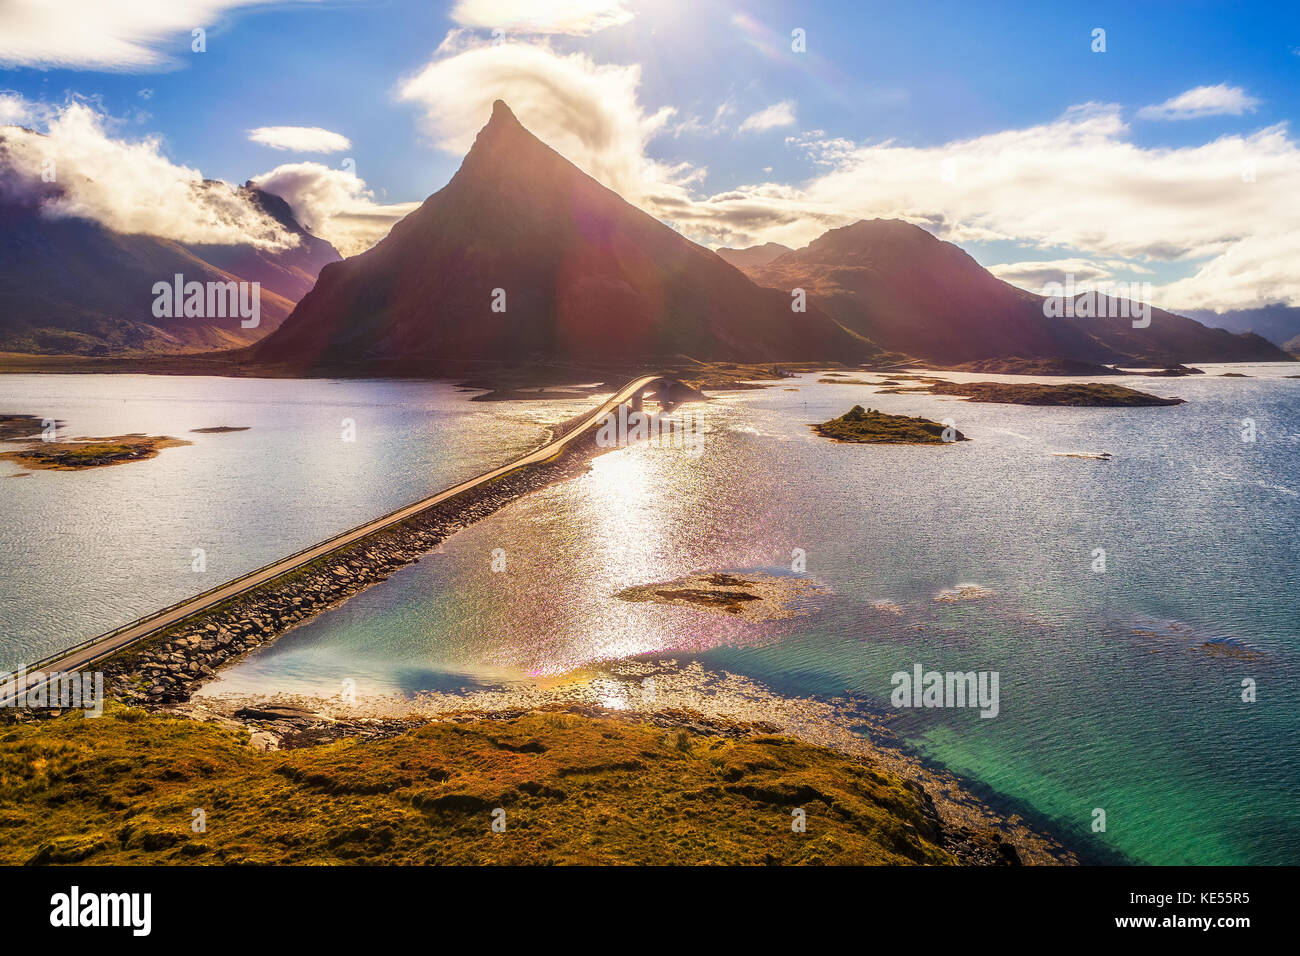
column 908, row 79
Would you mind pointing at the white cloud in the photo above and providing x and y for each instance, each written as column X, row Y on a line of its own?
column 694, row 125
column 820, row 149
column 102, row 35
column 574, row 17
column 132, row 187
column 333, row 204
column 300, row 139
column 587, row 112
column 13, row 109
column 1077, row 185
column 1034, row 275
column 1225, row 207
column 778, row 114
column 128, row 186
column 1221, row 100
column 1253, row 271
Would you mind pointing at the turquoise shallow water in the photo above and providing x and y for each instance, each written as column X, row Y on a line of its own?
column 1109, row 698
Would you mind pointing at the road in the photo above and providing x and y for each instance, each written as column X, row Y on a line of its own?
column 87, row 653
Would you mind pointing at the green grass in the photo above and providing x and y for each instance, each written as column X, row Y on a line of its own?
column 575, row 789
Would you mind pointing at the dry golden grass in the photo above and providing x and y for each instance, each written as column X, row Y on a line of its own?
column 575, row 789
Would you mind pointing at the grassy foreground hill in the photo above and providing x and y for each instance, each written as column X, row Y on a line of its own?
column 124, row 788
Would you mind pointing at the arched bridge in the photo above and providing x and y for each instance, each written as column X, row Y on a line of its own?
column 668, row 392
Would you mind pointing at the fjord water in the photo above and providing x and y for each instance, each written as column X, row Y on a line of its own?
column 1120, row 690
column 83, row 552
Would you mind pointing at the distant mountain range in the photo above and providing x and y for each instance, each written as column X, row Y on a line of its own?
column 522, row 257
column 1280, row 324
column 70, row 286
column 755, row 256
column 522, row 254
column 907, row 291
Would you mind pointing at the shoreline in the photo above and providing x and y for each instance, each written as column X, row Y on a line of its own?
column 502, row 381
column 735, row 707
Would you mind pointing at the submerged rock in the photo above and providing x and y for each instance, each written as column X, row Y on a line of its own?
column 754, row 595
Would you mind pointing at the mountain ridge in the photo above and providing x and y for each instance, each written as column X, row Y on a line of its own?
column 908, row 291
column 522, row 257
column 72, row 286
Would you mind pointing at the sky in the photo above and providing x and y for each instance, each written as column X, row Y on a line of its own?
column 1113, row 142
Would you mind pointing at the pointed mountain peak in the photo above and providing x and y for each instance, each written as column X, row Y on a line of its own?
column 502, row 114
column 503, row 132
column 587, row 274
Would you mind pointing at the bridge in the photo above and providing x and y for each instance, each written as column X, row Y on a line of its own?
column 660, row 388
column 668, row 392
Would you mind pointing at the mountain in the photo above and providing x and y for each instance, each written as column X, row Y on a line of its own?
column 910, row 292
column 291, row 272
column 1277, row 323
column 522, row 255
column 71, row 286
column 754, row 256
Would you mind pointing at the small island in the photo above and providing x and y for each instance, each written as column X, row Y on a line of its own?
column 1169, row 371
column 1035, row 366
column 868, row 426
column 220, row 429
column 1094, row 394
column 79, row 454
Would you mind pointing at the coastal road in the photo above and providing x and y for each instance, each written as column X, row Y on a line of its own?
column 96, row 649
